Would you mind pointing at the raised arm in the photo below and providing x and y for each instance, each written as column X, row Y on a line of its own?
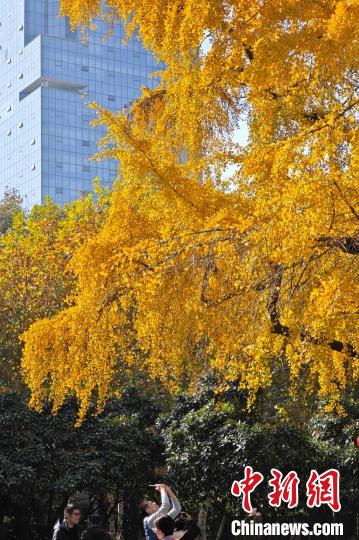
column 163, row 509
column 176, row 505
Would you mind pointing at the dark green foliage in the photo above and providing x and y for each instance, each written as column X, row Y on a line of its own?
column 206, row 438
column 337, row 436
column 210, row 438
column 44, row 459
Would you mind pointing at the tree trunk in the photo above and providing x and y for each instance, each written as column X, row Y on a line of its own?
column 48, row 525
column 117, row 526
column 221, row 527
column 202, row 522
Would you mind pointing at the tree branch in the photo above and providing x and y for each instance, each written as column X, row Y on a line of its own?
column 347, row 244
column 273, row 301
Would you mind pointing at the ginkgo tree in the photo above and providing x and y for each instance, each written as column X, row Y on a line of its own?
column 34, row 281
column 213, row 254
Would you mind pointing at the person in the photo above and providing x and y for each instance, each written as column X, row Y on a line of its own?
column 95, row 530
column 69, row 528
column 152, row 510
column 187, row 526
column 164, row 527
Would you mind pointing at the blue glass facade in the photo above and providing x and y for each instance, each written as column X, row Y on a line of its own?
column 46, row 75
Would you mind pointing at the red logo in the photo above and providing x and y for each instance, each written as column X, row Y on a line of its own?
column 321, row 488
column 324, row 489
column 246, row 486
column 285, row 490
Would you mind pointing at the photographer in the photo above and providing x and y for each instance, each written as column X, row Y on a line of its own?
column 185, row 523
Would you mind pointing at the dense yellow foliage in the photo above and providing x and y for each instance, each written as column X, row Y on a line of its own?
column 34, row 281
column 214, row 254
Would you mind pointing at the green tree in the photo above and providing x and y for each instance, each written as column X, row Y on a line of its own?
column 10, row 205
column 45, row 458
column 210, row 438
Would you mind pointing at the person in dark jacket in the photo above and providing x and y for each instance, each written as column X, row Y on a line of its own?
column 185, row 524
column 164, row 528
column 69, row 528
column 95, row 530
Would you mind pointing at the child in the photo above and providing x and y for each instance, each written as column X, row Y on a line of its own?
column 164, row 527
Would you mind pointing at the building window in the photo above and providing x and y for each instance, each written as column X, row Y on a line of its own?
column 20, row 76
column 33, row 141
column 33, row 167
column 8, row 84
column 59, row 190
column 85, row 143
column 20, row 124
column 68, row 31
column 8, row 109
column 8, row 61
column 8, row 132
column 20, row 51
column 21, row 27
column 111, row 97
column 84, row 68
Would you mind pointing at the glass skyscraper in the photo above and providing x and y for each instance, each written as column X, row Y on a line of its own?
column 46, row 74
